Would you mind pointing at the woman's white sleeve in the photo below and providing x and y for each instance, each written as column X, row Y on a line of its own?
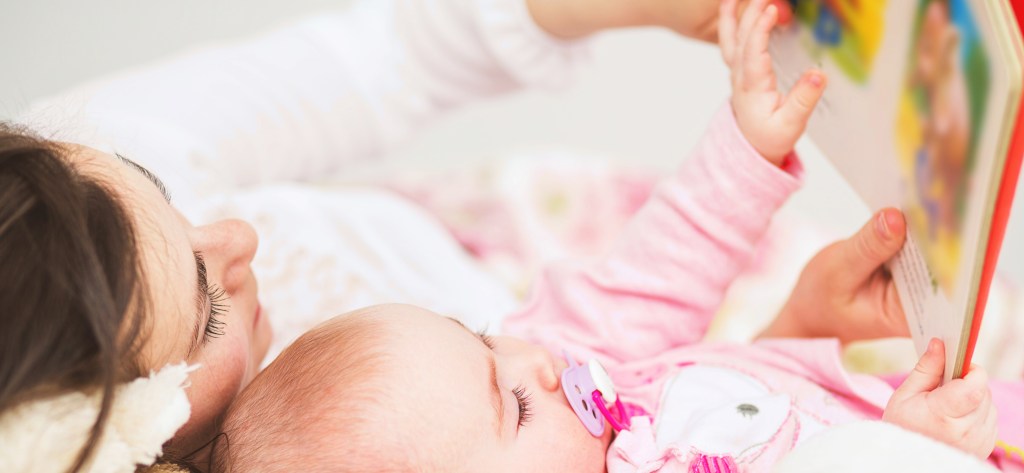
column 307, row 100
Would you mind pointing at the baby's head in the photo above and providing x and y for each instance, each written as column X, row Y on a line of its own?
column 399, row 388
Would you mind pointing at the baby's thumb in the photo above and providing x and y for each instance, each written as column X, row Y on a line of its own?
column 800, row 102
column 927, row 375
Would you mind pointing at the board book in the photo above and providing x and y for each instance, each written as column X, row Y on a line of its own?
column 922, row 112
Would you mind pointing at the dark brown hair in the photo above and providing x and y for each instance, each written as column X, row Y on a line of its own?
column 71, row 284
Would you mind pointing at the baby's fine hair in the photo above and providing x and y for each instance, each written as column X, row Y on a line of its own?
column 318, row 407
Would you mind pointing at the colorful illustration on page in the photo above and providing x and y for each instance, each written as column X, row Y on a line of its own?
column 940, row 114
column 848, row 31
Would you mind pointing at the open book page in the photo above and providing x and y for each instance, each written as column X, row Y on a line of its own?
column 912, row 118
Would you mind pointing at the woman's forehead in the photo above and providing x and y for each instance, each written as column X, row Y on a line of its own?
column 166, row 251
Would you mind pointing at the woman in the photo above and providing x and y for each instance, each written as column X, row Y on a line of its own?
column 104, row 280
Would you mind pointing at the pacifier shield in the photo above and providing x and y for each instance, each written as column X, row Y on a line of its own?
column 578, row 386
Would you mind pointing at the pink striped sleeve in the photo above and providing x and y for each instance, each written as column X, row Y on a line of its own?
column 663, row 280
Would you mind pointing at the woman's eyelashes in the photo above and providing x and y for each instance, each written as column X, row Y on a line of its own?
column 218, row 300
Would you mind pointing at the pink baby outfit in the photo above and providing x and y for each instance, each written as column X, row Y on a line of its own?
column 643, row 308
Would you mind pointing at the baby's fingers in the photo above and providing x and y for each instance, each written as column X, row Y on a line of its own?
column 750, row 17
column 979, row 438
column 757, row 42
column 961, row 397
column 757, row 64
column 727, row 30
column 799, row 104
column 990, row 432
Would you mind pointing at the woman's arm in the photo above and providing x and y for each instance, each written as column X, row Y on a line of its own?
column 311, row 98
column 694, row 18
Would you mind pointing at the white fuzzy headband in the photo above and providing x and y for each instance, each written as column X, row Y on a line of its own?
column 45, row 436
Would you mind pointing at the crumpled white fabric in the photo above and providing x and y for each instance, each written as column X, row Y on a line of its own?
column 44, row 436
column 877, row 446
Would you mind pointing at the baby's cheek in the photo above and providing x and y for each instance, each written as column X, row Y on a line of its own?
column 580, row 451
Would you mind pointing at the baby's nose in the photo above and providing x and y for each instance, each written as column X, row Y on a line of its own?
column 547, row 370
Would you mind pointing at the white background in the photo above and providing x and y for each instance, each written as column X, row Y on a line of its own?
column 646, row 98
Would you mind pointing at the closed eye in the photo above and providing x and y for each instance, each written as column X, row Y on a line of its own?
column 487, row 339
column 522, row 396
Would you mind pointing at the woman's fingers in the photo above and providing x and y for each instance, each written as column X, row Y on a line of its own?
column 727, row 29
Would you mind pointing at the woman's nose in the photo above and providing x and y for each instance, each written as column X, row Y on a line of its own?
column 227, row 246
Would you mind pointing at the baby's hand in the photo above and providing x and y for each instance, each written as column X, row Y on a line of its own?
column 959, row 413
column 770, row 122
column 845, row 291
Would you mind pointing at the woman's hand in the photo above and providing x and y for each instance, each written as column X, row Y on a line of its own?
column 697, row 18
column 692, row 18
column 845, row 291
column 960, row 413
column 770, row 121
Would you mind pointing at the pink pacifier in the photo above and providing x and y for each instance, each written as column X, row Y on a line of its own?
column 590, row 390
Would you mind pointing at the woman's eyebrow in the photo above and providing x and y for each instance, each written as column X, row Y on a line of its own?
column 149, row 175
column 496, row 400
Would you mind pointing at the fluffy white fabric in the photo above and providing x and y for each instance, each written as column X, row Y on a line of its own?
column 877, row 447
column 43, row 436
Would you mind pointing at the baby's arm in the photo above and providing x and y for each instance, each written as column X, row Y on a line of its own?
column 661, row 283
column 959, row 413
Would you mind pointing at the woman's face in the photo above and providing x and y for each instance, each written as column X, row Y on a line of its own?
column 202, row 290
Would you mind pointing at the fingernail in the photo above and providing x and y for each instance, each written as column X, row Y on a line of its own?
column 933, row 345
column 894, row 220
column 882, row 225
column 785, row 14
column 815, row 80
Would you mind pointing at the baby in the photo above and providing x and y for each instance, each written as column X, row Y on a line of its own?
column 398, row 388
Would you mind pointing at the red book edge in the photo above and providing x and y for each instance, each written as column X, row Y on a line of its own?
column 1001, row 214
